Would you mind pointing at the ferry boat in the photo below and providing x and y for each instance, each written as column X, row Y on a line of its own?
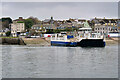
column 87, row 38
column 91, row 40
column 65, row 40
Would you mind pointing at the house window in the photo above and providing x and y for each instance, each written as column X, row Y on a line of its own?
column 37, row 27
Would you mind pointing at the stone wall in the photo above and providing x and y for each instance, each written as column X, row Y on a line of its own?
column 15, row 41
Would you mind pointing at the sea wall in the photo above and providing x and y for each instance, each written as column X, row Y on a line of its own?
column 37, row 41
column 25, row 41
column 15, row 41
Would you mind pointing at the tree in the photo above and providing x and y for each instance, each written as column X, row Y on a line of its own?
column 93, row 24
column 34, row 19
column 28, row 23
column 56, row 31
column 68, row 29
column 8, row 33
column 7, row 19
column 6, row 22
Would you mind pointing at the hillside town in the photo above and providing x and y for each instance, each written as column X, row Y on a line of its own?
column 32, row 26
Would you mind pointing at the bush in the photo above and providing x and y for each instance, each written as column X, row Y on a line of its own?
column 56, row 31
column 8, row 33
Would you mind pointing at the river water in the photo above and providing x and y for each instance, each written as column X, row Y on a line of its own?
column 59, row 62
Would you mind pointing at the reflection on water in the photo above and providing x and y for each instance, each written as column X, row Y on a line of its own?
column 59, row 62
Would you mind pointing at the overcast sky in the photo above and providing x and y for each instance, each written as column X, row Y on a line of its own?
column 60, row 10
column 60, row 0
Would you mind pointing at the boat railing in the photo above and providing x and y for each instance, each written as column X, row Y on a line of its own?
column 88, row 35
column 55, row 37
column 58, row 38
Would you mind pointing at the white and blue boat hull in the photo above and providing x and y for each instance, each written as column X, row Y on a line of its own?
column 61, row 43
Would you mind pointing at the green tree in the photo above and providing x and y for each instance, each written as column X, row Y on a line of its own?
column 28, row 23
column 34, row 19
column 7, row 19
column 68, row 29
column 8, row 33
column 56, row 31
column 93, row 24
column 6, row 22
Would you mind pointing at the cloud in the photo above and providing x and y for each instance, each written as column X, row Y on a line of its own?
column 60, row 10
column 0, row 9
column 60, row 0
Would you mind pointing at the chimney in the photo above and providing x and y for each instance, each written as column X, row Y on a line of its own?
column 51, row 18
column 20, row 18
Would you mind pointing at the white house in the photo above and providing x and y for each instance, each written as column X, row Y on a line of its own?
column 17, row 28
column 102, row 29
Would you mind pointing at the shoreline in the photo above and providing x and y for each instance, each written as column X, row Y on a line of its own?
column 112, row 41
column 44, row 41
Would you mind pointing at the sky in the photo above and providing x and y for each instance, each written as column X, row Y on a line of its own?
column 60, row 10
column 60, row 0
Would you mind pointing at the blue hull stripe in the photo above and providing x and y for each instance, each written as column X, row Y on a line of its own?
column 58, row 43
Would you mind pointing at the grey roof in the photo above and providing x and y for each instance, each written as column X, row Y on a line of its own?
column 46, row 20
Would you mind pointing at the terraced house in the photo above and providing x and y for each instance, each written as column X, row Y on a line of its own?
column 17, row 27
column 104, row 26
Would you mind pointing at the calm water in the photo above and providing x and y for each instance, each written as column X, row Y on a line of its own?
column 59, row 62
